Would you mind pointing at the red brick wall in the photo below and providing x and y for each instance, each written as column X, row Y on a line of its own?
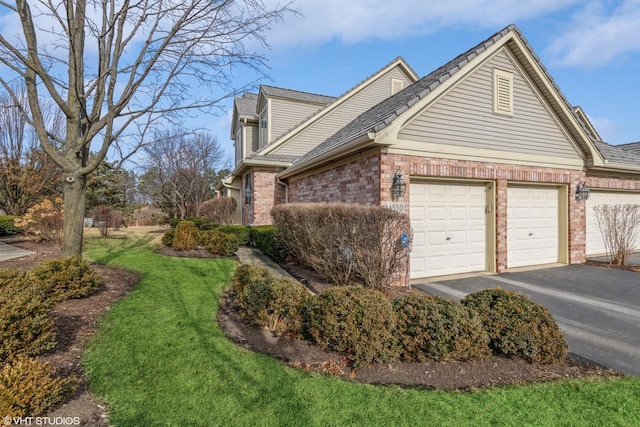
column 612, row 182
column 266, row 194
column 355, row 182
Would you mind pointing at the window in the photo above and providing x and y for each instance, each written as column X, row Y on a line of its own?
column 264, row 126
column 502, row 92
column 396, row 86
column 248, row 192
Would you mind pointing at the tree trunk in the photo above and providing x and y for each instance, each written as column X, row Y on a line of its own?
column 75, row 186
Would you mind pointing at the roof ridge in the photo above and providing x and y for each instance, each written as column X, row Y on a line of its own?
column 397, row 104
column 340, row 97
column 297, row 91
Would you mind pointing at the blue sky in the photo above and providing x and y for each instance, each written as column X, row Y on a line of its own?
column 590, row 48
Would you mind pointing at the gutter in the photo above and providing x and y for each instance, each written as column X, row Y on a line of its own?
column 286, row 189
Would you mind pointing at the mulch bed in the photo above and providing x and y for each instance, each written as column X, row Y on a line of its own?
column 449, row 375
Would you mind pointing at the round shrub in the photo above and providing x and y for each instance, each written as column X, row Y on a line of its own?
column 186, row 237
column 276, row 304
column 168, row 236
column 247, row 273
column 220, row 243
column 28, row 387
column 356, row 321
column 26, row 327
column 66, row 278
column 517, row 326
column 438, row 328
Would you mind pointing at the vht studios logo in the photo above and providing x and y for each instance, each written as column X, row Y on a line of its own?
column 41, row 421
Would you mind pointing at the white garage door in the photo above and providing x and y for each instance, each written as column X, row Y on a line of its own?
column 532, row 226
column 595, row 243
column 449, row 229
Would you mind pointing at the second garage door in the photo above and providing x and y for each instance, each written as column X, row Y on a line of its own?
column 595, row 242
column 449, row 228
column 532, row 226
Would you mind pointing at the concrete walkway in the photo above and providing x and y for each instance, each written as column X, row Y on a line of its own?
column 255, row 257
column 597, row 309
column 10, row 252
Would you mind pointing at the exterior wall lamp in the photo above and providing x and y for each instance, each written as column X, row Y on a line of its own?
column 582, row 192
column 398, row 187
column 247, row 194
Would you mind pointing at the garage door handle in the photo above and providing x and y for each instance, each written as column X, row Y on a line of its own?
column 448, row 238
column 530, row 234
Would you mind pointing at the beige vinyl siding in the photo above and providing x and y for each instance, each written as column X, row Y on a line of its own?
column 361, row 101
column 285, row 114
column 252, row 136
column 464, row 117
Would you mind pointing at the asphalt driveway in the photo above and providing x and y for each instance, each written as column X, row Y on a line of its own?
column 598, row 309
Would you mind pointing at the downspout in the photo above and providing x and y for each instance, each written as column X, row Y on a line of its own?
column 286, row 189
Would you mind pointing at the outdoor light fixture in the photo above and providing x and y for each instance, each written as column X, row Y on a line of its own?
column 398, row 187
column 582, row 192
column 247, row 194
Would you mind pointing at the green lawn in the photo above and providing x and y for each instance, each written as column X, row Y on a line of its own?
column 159, row 359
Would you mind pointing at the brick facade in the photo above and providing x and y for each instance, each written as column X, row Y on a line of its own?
column 354, row 182
column 266, row 193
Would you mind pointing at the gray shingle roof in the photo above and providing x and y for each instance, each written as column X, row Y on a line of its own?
column 626, row 154
column 273, row 157
column 297, row 95
column 247, row 105
column 383, row 114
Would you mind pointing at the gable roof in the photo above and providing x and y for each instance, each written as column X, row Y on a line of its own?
column 384, row 114
column 278, row 92
column 244, row 107
column 398, row 61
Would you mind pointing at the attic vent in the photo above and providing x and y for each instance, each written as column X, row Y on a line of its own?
column 396, row 86
column 503, row 92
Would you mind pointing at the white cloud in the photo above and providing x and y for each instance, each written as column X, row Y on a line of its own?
column 598, row 35
column 352, row 21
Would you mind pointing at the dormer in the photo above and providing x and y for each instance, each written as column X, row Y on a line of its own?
column 244, row 126
column 280, row 109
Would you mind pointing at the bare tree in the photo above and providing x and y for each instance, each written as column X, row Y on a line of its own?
column 27, row 175
column 112, row 66
column 619, row 226
column 181, row 167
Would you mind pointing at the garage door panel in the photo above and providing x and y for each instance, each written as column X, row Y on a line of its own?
column 532, row 226
column 595, row 242
column 454, row 226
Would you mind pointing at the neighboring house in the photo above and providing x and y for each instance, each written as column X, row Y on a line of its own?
column 491, row 151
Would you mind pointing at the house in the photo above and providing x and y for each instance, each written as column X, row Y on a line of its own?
column 494, row 158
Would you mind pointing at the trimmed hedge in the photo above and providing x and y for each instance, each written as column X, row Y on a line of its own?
column 347, row 243
column 517, row 326
column 26, row 327
column 240, row 231
column 28, row 388
column 202, row 223
column 436, row 328
column 247, row 273
column 266, row 238
column 275, row 304
column 8, row 227
column 168, row 236
column 217, row 242
column 186, row 237
column 66, row 278
column 355, row 321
